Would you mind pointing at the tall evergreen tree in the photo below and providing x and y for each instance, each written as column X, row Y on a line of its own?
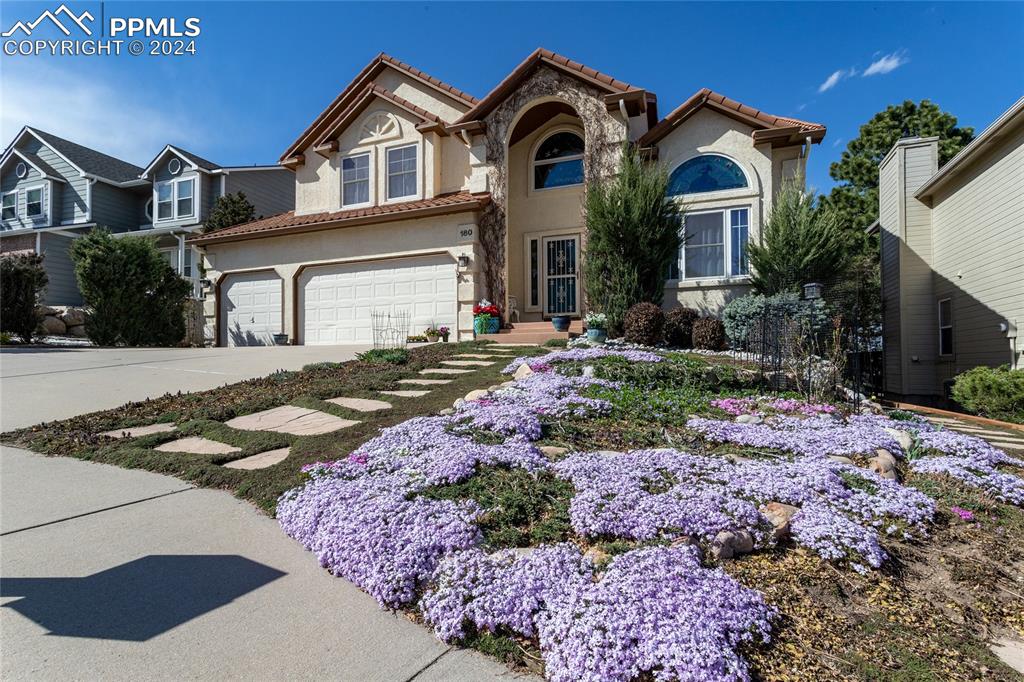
column 230, row 209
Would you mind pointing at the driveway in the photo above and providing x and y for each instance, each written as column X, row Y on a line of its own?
column 107, row 573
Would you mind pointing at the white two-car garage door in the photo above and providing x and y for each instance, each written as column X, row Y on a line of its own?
column 250, row 309
column 336, row 300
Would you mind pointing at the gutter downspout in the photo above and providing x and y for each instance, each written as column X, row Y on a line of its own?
column 806, row 154
column 88, row 200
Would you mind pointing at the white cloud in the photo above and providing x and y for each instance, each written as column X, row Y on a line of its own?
column 117, row 120
column 834, row 79
column 887, row 63
column 838, row 141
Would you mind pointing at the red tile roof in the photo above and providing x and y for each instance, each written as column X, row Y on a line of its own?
column 519, row 74
column 288, row 223
column 754, row 117
column 373, row 90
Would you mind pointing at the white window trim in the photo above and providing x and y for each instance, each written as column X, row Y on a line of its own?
column 419, row 173
column 718, row 193
column 728, row 277
column 369, row 180
column 941, row 326
column 42, row 203
column 148, row 208
column 13, row 192
column 175, row 216
column 534, row 163
column 179, row 259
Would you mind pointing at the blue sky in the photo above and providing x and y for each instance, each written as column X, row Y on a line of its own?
column 263, row 70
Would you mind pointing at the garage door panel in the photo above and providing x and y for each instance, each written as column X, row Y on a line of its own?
column 250, row 309
column 337, row 300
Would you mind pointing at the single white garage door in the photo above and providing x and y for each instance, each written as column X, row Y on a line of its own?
column 337, row 299
column 250, row 309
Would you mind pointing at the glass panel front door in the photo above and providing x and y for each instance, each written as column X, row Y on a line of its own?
column 561, row 275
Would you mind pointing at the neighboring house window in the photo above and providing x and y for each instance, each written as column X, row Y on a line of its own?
column 402, row 172
column 171, row 256
column 708, row 173
column 559, row 161
column 10, row 208
column 715, row 245
column 34, row 202
column 21, row 170
column 355, row 180
column 945, row 327
column 175, row 199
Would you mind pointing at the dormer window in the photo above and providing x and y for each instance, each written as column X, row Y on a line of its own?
column 175, row 199
column 10, row 205
column 355, row 180
column 402, row 172
column 559, row 161
column 34, row 203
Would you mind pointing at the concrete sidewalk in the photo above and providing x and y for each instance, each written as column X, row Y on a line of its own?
column 39, row 384
column 116, row 574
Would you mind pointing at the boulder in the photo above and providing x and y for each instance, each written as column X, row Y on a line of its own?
column 885, row 456
column 553, row 450
column 459, row 402
column 52, row 325
column 884, row 464
column 73, row 317
column 77, row 331
column 731, row 543
column 446, row 412
column 779, row 515
column 522, row 372
column 476, row 395
column 736, row 459
column 904, row 438
column 748, row 419
column 841, row 459
column 46, row 310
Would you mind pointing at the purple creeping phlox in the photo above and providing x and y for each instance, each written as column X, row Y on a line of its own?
column 738, row 406
column 580, row 355
column 819, row 435
column 654, row 611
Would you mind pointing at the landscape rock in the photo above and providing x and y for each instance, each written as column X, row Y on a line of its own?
column 45, row 310
column 459, row 402
column 553, row 450
column 72, row 317
column 885, row 456
column 477, row 394
column 731, row 543
column 52, row 325
column 779, row 515
column 446, row 412
column 522, row 372
column 841, row 459
column 588, row 371
column 904, row 438
column 77, row 331
column 884, row 466
column 748, row 419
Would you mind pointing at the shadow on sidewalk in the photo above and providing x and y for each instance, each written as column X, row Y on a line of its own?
column 137, row 600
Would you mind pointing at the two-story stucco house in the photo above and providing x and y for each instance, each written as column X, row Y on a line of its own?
column 55, row 190
column 952, row 255
column 412, row 194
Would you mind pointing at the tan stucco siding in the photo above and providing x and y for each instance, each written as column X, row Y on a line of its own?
column 421, row 95
column 978, row 255
column 455, row 170
column 286, row 254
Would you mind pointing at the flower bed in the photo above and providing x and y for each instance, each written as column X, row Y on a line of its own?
column 661, row 605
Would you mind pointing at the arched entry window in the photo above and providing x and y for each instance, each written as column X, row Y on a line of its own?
column 707, row 173
column 559, row 161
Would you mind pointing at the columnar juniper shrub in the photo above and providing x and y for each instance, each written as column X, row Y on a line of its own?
column 22, row 281
column 708, row 334
column 644, row 324
column 679, row 327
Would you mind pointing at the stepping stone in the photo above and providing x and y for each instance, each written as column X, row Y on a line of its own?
column 515, row 345
column 467, row 363
column 199, row 446
column 425, row 382
column 298, row 421
column 446, row 370
column 478, row 356
column 260, row 461
column 136, row 431
column 361, row 404
column 406, row 394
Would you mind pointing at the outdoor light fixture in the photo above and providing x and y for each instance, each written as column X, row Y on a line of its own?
column 812, row 291
column 463, row 261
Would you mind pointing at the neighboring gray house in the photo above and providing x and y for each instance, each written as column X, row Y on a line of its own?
column 952, row 254
column 55, row 190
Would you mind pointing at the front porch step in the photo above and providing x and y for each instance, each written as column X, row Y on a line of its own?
column 575, row 327
column 525, row 338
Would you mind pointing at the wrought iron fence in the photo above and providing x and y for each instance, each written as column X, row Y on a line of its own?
column 390, row 328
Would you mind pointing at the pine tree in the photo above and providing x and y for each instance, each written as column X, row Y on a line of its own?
column 230, row 209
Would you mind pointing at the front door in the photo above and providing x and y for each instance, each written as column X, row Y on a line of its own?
column 561, row 275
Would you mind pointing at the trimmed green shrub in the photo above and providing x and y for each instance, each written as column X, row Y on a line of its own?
column 995, row 393
column 633, row 233
column 385, row 356
column 556, row 343
column 679, row 327
column 708, row 334
column 22, row 281
column 741, row 315
column 132, row 295
column 644, row 324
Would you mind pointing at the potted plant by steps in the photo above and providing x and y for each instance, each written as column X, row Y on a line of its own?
column 561, row 323
column 432, row 333
column 444, row 332
column 280, row 339
column 597, row 327
column 486, row 318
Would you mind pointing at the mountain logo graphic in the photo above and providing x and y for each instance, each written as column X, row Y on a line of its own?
column 69, row 16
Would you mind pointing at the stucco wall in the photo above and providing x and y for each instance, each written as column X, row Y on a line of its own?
column 423, row 96
column 287, row 253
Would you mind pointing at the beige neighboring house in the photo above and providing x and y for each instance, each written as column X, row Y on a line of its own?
column 952, row 250
column 412, row 195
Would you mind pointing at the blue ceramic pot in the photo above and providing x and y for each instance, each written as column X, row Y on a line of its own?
column 597, row 335
column 561, row 323
column 490, row 326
